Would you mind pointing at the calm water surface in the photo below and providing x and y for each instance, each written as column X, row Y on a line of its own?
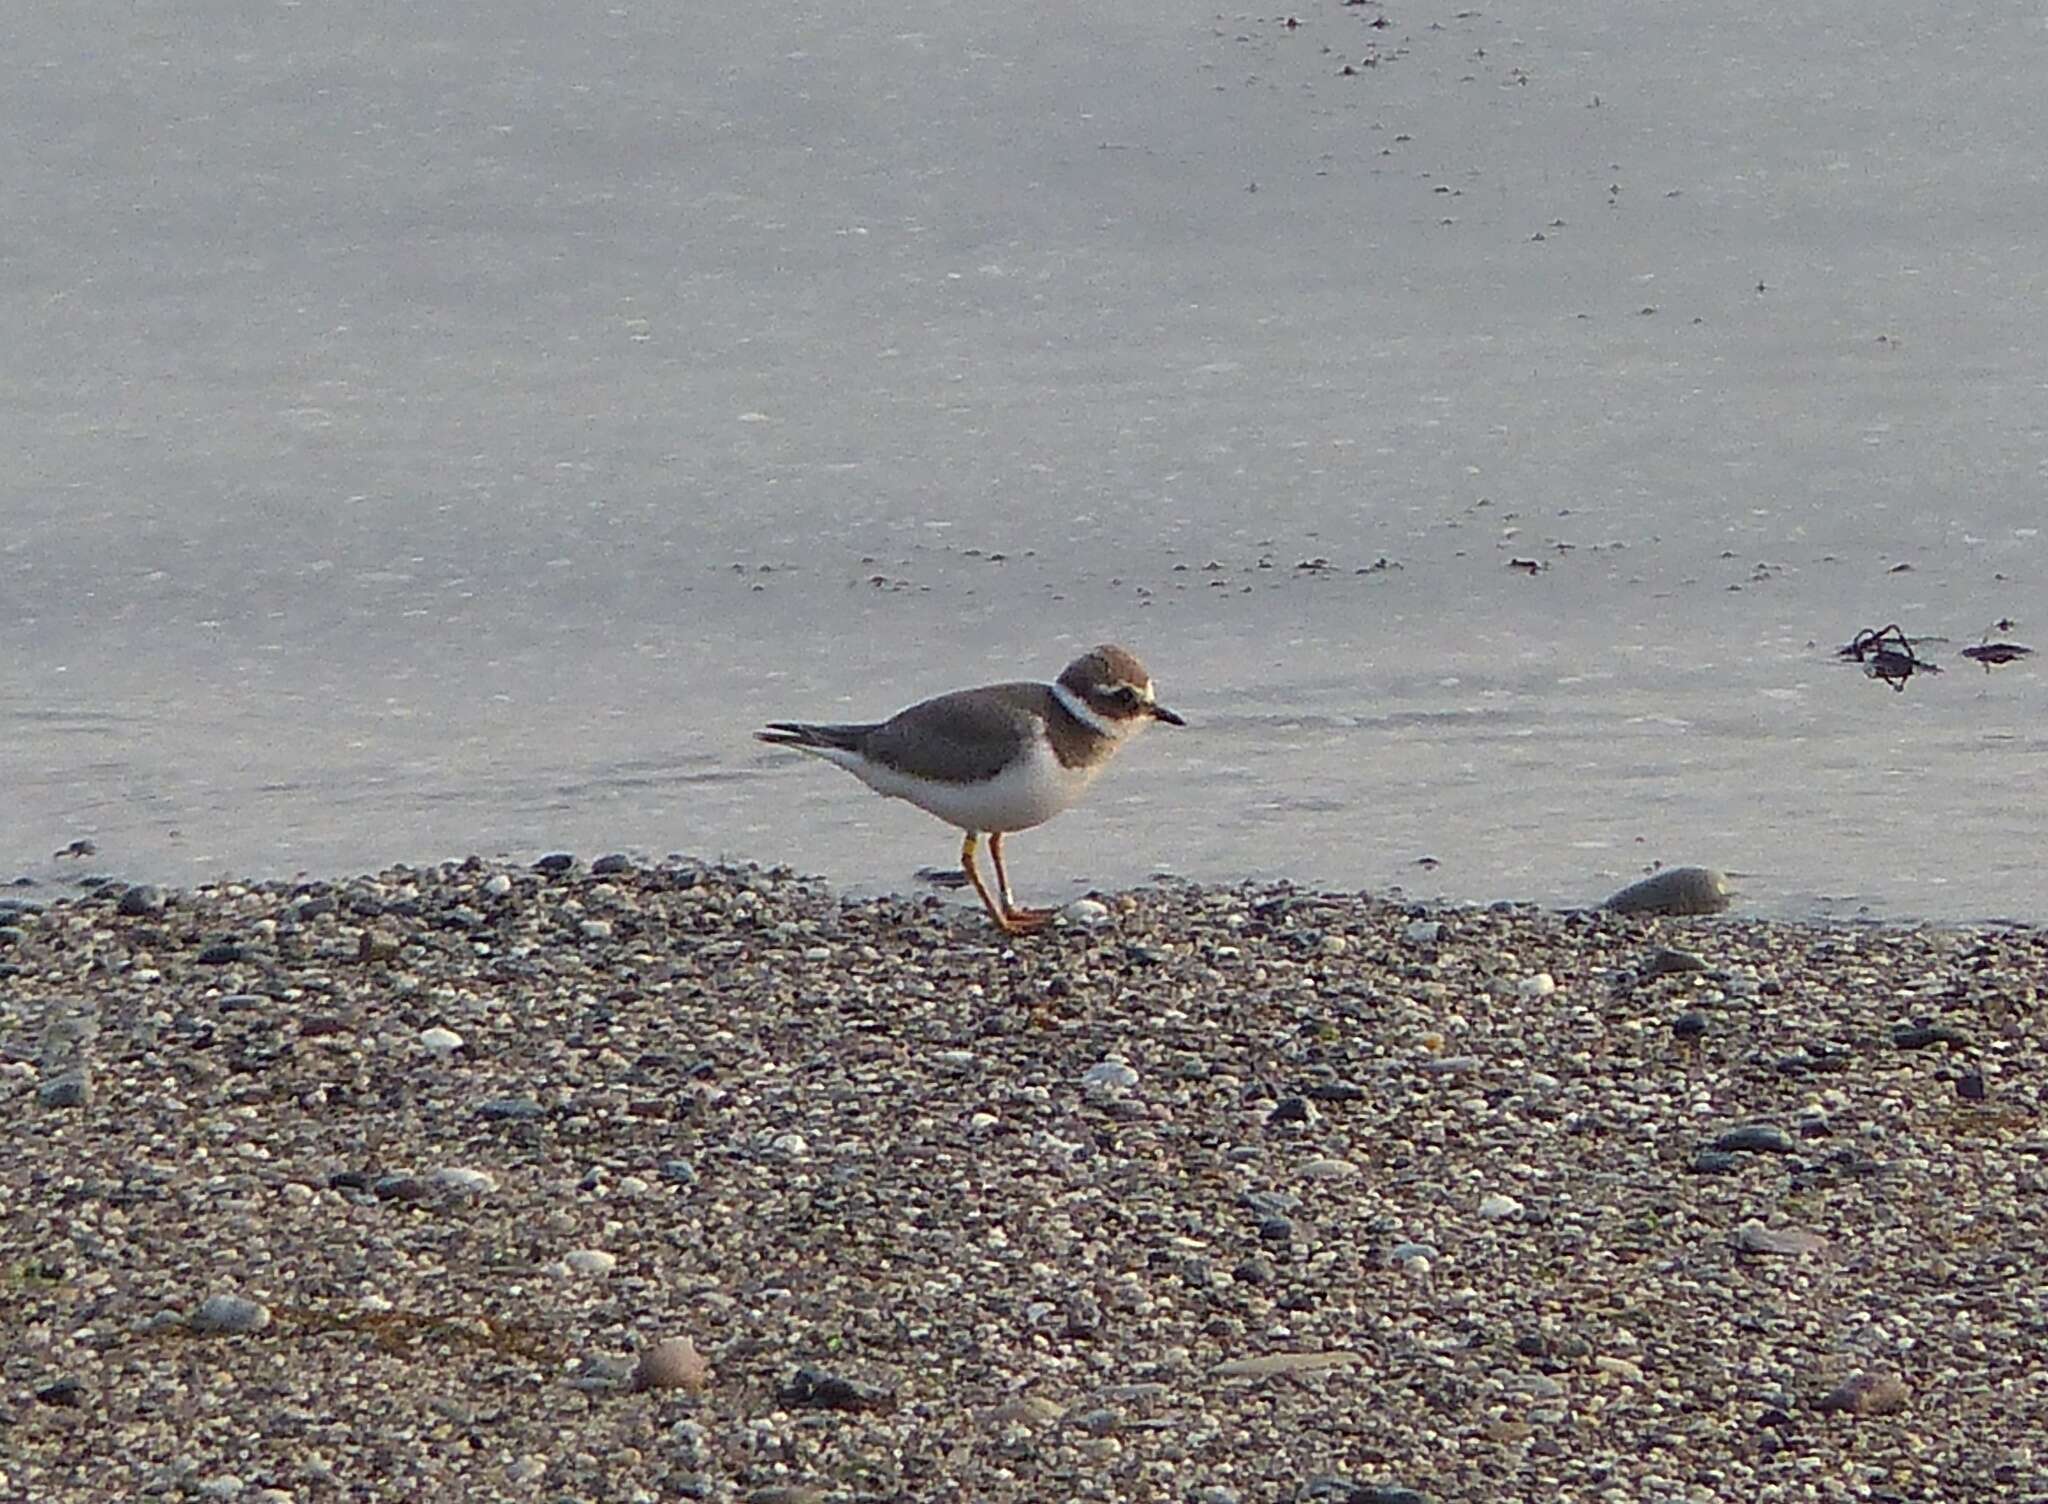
column 428, row 439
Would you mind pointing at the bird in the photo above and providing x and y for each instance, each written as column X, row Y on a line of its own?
column 997, row 759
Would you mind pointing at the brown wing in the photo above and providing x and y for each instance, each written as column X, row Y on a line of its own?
column 964, row 737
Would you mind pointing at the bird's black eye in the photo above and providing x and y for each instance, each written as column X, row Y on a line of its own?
column 1126, row 696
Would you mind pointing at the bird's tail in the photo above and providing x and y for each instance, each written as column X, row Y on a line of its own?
column 814, row 738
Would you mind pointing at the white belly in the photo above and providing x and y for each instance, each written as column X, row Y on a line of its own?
column 1025, row 795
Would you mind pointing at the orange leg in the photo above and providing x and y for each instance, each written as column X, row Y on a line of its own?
column 973, row 870
column 1022, row 921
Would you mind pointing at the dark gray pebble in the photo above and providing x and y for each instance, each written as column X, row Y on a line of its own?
column 221, row 953
column 402, row 1188
column 71, row 1089
column 1290, row 1110
column 1712, row 1162
column 1671, row 963
column 1970, row 1086
column 613, row 865
column 1333, row 1091
column 11, row 936
column 1344, row 1491
column 142, row 900
column 813, row 1389
column 1689, row 1025
column 510, row 1110
column 1920, row 1036
column 67, row 1393
column 555, row 862
column 1756, row 1138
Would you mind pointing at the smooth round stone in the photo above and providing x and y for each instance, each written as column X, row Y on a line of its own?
column 592, row 1261
column 1540, row 985
column 464, row 1182
column 597, row 929
column 498, row 885
column 230, row 1313
column 1675, row 890
column 1089, row 913
column 1790, row 1242
column 612, row 864
column 1498, row 1208
column 1689, row 1025
column 1330, row 1169
column 1866, row 1394
column 1026, row 1410
column 1110, row 1075
column 439, row 1042
column 1409, row 1253
column 1423, row 932
column 673, row 1363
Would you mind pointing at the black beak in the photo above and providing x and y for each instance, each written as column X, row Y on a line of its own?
column 1161, row 713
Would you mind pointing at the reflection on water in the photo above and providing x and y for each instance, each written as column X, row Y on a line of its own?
column 1473, row 780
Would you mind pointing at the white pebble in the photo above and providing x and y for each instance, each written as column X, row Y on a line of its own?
column 1497, row 1207
column 1089, row 912
column 795, row 1145
column 597, row 929
column 1111, row 1075
column 591, row 1261
column 498, row 885
column 1423, row 932
column 439, row 1042
column 1540, row 985
column 818, row 953
column 466, row 1182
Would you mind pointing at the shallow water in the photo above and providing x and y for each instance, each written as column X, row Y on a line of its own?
column 428, row 442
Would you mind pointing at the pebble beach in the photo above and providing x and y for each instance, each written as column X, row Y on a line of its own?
column 613, row 1181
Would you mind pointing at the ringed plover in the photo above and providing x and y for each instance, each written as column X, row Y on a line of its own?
column 997, row 759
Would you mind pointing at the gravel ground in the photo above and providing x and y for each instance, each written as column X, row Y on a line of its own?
column 697, row 1182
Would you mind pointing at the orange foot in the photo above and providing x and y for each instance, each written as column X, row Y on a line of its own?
column 1026, row 921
